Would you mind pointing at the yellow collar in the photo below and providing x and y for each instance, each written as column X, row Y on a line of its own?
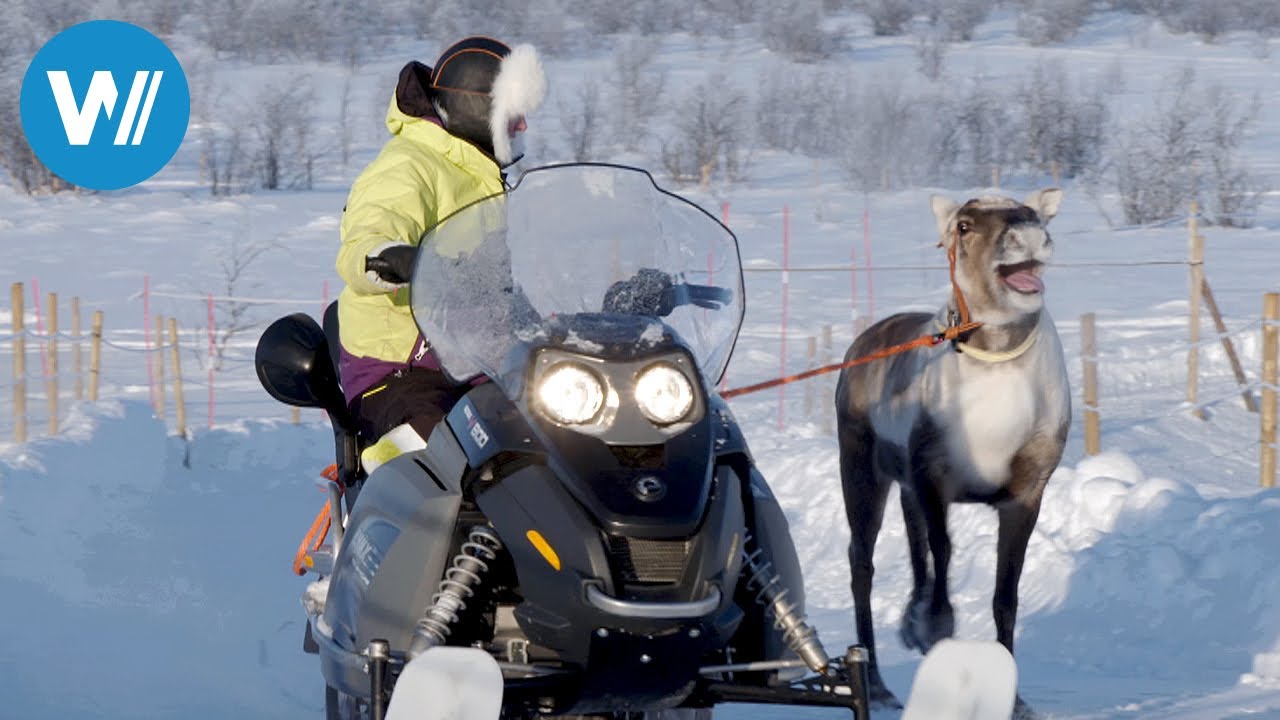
column 991, row 356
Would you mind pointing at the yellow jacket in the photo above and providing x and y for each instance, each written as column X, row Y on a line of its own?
column 422, row 175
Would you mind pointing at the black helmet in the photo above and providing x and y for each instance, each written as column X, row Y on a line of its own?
column 481, row 85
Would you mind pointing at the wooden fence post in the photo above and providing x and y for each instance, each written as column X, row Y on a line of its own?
column 95, row 355
column 160, row 392
column 1250, row 403
column 19, row 365
column 179, row 402
column 52, row 383
column 77, row 362
column 1089, row 356
column 1270, row 350
column 1195, row 261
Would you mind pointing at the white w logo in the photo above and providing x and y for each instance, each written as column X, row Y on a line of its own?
column 80, row 121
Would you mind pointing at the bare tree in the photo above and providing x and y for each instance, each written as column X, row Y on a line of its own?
column 931, row 50
column 580, row 120
column 708, row 133
column 238, row 263
column 1236, row 193
column 794, row 28
column 344, row 120
column 1049, row 21
column 975, row 133
column 889, row 17
column 51, row 17
column 959, row 18
column 282, row 152
column 880, row 148
column 637, row 83
column 1059, row 122
column 1156, row 162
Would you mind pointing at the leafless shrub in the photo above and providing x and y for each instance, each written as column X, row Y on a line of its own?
column 794, row 28
column 1060, row 123
column 281, row 134
column 1049, row 21
column 975, row 135
column 238, row 263
column 889, row 17
column 931, row 50
column 1188, row 147
column 636, row 83
column 709, row 133
column 580, row 119
column 881, row 145
column 961, row 17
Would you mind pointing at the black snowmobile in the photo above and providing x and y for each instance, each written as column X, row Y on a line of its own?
column 586, row 533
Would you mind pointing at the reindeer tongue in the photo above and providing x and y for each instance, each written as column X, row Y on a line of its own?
column 1024, row 281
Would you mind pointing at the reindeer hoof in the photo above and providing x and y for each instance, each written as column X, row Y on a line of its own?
column 912, row 632
column 923, row 626
column 882, row 698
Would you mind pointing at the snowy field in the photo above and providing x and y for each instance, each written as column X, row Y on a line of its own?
column 147, row 576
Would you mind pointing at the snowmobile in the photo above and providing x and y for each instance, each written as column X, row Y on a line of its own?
column 586, row 532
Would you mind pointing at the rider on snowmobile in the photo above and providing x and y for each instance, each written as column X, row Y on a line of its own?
column 453, row 127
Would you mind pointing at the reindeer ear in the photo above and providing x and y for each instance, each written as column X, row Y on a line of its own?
column 1045, row 203
column 944, row 211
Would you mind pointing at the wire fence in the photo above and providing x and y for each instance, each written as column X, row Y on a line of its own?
column 216, row 361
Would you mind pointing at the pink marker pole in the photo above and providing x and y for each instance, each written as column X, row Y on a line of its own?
column 786, row 285
column 324, row 302
column 866, row 253
column 853, row 288
column 146, row 336
column 211, row 353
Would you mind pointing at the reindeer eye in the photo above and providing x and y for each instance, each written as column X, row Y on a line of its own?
column 963, row 226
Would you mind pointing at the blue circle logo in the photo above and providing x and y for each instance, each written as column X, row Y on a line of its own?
column 105, row 104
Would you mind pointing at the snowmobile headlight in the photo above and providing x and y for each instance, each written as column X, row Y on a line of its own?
column 571, row 394
column 664, row 394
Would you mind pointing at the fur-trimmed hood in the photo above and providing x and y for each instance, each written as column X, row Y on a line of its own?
column 518, row 90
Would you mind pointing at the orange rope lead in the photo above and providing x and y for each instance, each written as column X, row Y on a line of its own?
column 950, row 333
column 953, row 332
column 319, row 528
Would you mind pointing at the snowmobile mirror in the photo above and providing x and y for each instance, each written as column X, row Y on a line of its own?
column 294, row 364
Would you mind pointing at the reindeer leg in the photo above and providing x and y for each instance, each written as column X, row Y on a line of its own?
column 940, row 622
column 865, row 494
column 1017, row 520
column 912, row 629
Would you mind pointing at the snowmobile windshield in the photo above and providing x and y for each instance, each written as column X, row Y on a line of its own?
column 584, row 257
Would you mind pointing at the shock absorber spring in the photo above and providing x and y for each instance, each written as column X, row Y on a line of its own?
column 459, row 583
column 771, row 594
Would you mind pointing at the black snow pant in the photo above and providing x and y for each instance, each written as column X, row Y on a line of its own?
column 418, row 396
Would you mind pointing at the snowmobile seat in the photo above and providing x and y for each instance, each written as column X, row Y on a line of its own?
column 348, row 440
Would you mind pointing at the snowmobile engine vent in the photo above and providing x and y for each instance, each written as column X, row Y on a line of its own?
column 648, row 561
column 644, row 457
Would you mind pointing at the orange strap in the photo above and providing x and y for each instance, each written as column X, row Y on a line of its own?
column 319, row 529
column 950, row 333
column 953, row 332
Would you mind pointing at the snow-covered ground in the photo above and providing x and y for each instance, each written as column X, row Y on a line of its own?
column 145, row 576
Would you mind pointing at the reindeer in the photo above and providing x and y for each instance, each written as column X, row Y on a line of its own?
column 982, row 418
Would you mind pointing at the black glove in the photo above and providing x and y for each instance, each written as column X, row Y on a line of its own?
column 648, row 292
column 394, row 264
